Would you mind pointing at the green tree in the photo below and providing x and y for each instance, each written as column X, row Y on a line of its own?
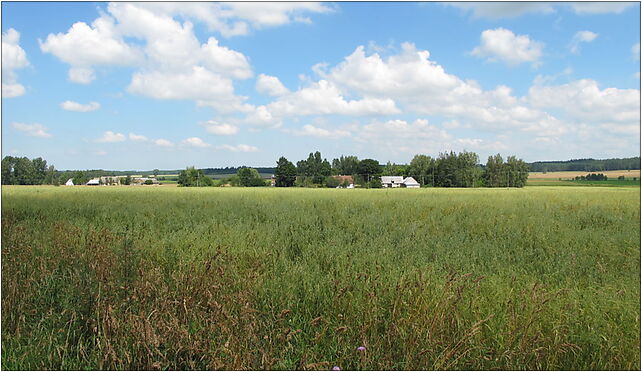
column 192, row 177
column 493, row 171
column 392, row 169
column 285, row 173
column 250, row 177
column 421, row 168
column 8, row 175
column 375, row 183
column 345, row 165
column 24, row 173
column 368, row 169
column 156, row 171
column 80, row 178
column 50, row 178
column 39, row 171
column 517, row 172
column 331, row 182
column 315, row 168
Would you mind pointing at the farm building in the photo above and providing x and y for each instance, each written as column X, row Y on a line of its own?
column 391, row 181
column 411, row 183
column 93, row 182
column 142, row 180
column 399, row 181
column 70, row 182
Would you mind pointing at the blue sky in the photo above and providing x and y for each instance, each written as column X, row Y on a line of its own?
column 168, row 85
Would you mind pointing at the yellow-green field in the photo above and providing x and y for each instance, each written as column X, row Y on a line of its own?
column 571, row 175
column 265, row 278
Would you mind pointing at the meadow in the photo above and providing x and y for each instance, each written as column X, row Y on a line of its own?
column 266, row 278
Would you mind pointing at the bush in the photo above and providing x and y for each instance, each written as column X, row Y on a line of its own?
column 375, row 183
column 149, row 182
column 331, row 182
column 621, row 178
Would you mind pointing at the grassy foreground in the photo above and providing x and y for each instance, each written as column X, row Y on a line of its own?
column 230, row 278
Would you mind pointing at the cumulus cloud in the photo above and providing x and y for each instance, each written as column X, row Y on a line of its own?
column 13, row 58
column 324, row 98
column 238, row 148
column 584, row 100
column 79, row 107
column 503, row 45
column 581, row 37
column 137, row 137
column 33, row 130
column 195, row 142
column 163, row 143
column 233, row 18
column 310, row 130
column 496, row 10
column 221, row 129
column 85, row 46
column 111, row 137
column 270, row 85
column 600, row 7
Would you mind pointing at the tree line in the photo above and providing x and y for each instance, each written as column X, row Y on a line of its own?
column 586, row 165
column 449, row 169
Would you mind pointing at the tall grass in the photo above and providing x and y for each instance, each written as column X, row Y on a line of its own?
column 211, row 278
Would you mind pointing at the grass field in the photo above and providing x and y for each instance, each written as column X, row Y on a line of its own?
column 265, row 278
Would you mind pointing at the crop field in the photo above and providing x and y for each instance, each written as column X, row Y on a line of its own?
column 265, row 278
column 613, row 174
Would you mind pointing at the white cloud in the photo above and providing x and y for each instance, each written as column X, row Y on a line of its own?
column 422, row 86
column 589, row 7
column 221, row 129
column 137, row 137
column 270, row 85
column 238, row 148
column 635, row 51
column 496, row 10
column 581, row 37
column 195, row 142
column 198, row 83
column 233, row 18
column 84, row 46
column 502, row 44
column 163, row 143
column 325, row 98
column 13, row 58
column 310, row 130
column 34, row 130
column 79, row 107
column 270, row 14
column 584, row 100
column 225, row 61
column 111, row 137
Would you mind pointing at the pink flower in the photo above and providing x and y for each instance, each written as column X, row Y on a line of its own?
column 361, row 348
column 336, row 368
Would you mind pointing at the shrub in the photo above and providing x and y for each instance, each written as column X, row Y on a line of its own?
column 331, row 182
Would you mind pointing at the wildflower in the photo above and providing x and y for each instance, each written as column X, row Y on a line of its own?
column 336, row 368
column 361, row 348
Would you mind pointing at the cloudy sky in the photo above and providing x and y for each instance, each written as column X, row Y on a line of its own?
column 167, row 85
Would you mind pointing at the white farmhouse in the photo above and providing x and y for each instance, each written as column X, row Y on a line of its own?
column 399, row 181
column 411, row 183
column 391, row 181
column 70, row 182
